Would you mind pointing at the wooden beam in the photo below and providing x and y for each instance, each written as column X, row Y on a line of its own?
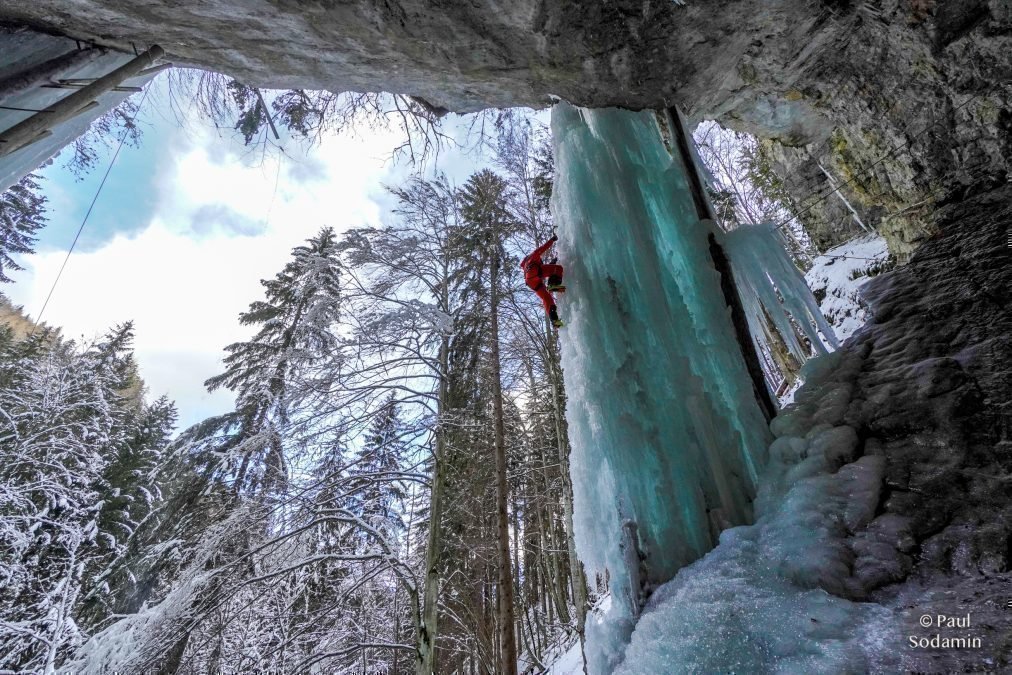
column 26, row 79
column 267, row 114
column 42, row 134
column 70, row 85
column 153, row 70
column 26, row 131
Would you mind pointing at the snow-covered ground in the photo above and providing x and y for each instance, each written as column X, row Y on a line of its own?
column 837, row 275
column 569, row 662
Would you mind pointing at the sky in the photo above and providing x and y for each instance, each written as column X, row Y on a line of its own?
column 185, row 228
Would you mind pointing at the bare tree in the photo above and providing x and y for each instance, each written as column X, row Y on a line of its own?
column 746, row 192
column 308, row 115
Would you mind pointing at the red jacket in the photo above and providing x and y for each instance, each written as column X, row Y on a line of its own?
column 531, row 265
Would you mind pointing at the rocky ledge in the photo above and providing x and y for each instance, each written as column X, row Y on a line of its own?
column 904, row 102
column 925, row 392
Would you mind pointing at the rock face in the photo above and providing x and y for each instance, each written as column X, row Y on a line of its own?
column 851, row 85
column 928, row 383
column 463, row 55
column 920, row 100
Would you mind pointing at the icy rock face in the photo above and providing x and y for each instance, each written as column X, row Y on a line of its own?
column 666, row 435
column 885, row 499
column 774, row 596
column 770, row 285
column 834, row 82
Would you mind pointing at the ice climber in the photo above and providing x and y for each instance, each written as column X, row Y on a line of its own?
column 544, row 279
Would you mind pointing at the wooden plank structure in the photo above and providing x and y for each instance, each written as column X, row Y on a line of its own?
column 40, row 124
column 14, row 84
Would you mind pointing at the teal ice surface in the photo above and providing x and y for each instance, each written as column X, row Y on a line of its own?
column 664, row 427
column 768, row 598
column 768, row 279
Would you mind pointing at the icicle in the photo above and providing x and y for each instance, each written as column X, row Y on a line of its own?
column 765, row 273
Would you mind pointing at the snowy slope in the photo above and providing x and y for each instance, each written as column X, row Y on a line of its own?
column 569, row 663
column 837, row 275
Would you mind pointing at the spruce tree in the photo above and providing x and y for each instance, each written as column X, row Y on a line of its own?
column 487, row 220
column 296, row 321
column 65, row 419
column 379, row 491
column 22, row 214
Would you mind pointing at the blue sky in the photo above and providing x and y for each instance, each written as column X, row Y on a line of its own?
column 186, row 226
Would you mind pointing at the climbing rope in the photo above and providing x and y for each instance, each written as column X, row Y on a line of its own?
column 84, row 221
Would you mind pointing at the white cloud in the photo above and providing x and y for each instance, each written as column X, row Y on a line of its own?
column 184, row 285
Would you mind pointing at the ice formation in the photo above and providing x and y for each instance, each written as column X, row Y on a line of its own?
column 771, row 285
column 667, row 436
column 759, row 602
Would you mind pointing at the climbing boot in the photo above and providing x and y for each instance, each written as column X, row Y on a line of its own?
column 556, row 288
column 557, row 323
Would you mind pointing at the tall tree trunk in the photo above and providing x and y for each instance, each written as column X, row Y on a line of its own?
column 425, row 652
column 508, row 662
column 516, row 566
column 397, row 634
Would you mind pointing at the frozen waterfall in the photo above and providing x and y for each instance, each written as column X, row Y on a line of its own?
column 667, row 436
column 772, row 286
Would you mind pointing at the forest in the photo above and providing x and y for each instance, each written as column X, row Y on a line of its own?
column 398, row 448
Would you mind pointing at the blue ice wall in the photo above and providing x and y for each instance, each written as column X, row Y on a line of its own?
column 769, row 281
column 664, row 427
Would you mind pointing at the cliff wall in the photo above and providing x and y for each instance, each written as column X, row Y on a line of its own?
column 907, row 103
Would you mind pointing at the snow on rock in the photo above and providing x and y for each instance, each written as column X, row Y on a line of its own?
column 837, row 276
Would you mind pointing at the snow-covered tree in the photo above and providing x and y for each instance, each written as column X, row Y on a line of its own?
column 66, row 416
column 376, row 472
column 123, row 578
column 22, row 215
column 296, row 321
column 411, row 332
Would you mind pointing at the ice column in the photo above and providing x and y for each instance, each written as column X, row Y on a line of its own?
column 770, row 284
column 664, row 427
